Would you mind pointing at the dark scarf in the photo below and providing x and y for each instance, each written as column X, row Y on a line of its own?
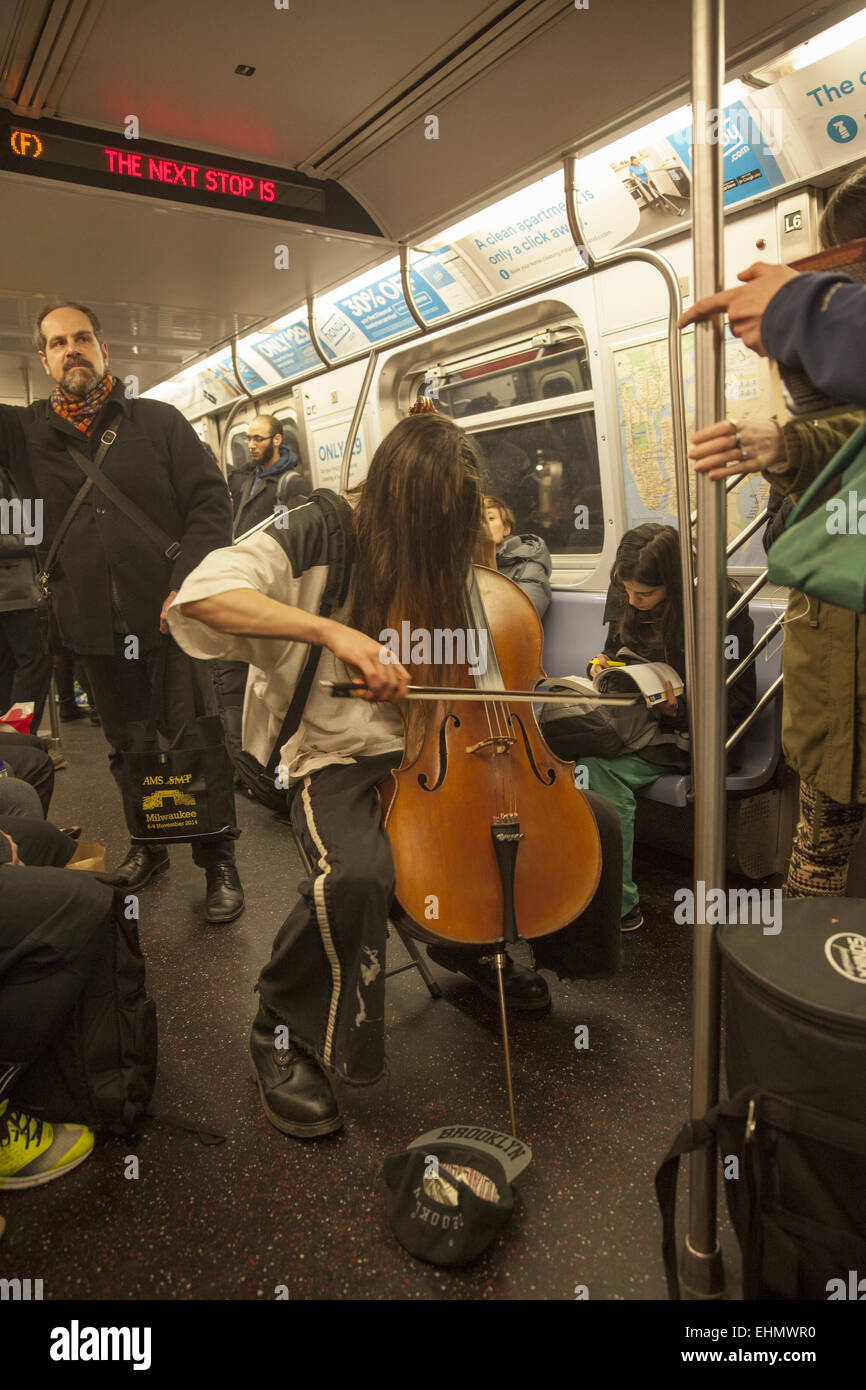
column 83, row 413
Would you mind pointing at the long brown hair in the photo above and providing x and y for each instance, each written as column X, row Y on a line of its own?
column 417, row 520
column 650, row 555
column 844, row 217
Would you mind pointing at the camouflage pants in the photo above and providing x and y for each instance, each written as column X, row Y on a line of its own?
column 824, row 839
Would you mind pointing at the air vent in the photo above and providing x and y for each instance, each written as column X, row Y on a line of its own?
column 490, row 38
column 45, row 43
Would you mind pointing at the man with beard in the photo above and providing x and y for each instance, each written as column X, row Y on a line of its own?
column 273, row 480
column 270, row 483
column 111, row 581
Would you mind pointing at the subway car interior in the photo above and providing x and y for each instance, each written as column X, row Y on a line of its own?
column 321, row 215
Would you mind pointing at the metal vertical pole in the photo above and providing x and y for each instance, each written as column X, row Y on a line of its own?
column 356, row 419
column 701, row 1269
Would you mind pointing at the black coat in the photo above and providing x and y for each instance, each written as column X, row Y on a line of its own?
column 159, row 463
column 287, row 489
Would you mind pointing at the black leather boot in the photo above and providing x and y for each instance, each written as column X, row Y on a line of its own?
column 294, row 1090
column 140, row 865
column 524, row 989
column 225, row 896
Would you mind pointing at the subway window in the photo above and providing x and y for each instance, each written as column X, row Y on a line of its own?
column 542, row 463
column 239, row 454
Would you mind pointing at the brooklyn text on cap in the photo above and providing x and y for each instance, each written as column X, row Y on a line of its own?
column 510, row 1152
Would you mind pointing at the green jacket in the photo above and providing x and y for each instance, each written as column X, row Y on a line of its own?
column 824, row 664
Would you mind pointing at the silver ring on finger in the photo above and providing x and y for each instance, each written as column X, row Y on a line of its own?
column 738, row 443
column 744, row 454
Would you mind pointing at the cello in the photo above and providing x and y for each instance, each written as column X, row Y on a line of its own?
column 490, row 837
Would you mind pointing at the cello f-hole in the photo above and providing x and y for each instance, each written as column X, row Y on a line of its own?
column 550, row 778
column 443, row 756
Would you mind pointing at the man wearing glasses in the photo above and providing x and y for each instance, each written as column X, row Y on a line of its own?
column 110, row 581
column 273, row 482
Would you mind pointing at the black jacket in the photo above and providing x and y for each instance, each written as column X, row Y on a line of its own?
column 109, row 576
column 281, row 484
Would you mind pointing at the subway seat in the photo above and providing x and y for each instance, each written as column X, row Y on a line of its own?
column 574, row 633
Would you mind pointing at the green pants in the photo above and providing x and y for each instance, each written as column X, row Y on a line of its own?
column 618, row 779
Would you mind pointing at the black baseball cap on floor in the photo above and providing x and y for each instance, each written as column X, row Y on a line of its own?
column 449, row 1194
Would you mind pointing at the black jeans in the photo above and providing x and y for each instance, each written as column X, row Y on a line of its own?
column 27, row 759
column 52, row 925
column 25, row 666
column 122, row 690
column 326, row 975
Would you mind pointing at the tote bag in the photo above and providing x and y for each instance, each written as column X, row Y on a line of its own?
column 176, row 784
column 822, row 551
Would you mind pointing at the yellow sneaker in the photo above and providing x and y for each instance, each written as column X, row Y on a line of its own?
column 33, row 1151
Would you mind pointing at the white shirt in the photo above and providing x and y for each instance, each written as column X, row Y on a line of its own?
column 331, row 731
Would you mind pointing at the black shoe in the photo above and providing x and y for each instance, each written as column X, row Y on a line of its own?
column 632, row 920
column 139, row 866
column 70, row 713
column 293, row 1088
column 225, row 896
column 524, row 989
column 73, row 831
column 94, row 717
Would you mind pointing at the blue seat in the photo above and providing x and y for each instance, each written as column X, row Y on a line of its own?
column 574, row 633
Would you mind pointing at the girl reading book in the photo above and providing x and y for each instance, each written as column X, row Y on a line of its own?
column 644, row 614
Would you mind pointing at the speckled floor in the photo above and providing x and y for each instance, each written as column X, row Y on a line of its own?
column 236, row 1220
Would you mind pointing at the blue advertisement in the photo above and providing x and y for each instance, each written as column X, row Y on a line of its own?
column 749, row 166
column 250, row 377
column 379, row 310
column 288, row 350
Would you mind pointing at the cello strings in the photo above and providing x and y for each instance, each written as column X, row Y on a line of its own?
column 478, row 620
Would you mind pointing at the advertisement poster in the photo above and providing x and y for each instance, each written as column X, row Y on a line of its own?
column 286, row 350
column 749, row 164
column 828, row 102
column 327, row 445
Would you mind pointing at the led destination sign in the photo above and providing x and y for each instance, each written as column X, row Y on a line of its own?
column 169, row 171
column 97, row 159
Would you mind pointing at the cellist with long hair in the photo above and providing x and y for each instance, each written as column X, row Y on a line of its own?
column 397, row 549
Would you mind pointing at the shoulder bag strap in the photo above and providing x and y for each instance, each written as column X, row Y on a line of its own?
column 169, row 547
column 106, row 440
column 338, row 516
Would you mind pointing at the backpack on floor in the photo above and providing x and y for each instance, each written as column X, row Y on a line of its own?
column 101, row 1069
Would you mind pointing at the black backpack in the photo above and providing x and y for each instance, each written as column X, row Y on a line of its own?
column 259, row 780
column 101, row 1069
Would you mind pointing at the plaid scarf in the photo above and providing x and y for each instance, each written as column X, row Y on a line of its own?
column 83, row 413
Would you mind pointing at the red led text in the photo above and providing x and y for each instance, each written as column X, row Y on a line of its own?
column 171, row 171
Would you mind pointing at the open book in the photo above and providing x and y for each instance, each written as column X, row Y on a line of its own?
column 646, row 678
column 794, row 395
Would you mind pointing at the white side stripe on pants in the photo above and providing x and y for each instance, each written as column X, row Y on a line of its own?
column 324, row 924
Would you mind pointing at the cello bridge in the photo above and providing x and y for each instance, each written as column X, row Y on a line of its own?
column 499, row 745
column 506, row 827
